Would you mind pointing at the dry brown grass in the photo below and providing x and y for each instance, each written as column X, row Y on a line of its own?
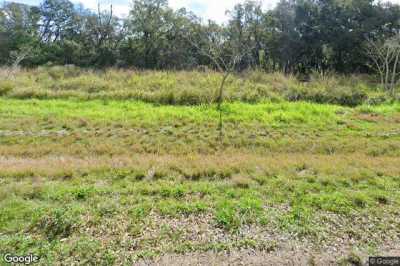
column 356, row 166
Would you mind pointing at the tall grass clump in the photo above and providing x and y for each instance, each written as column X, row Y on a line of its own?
column 332, row 89
column 5, row 87
column 186, row 87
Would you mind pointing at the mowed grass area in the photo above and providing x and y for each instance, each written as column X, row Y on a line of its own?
column 107, row 182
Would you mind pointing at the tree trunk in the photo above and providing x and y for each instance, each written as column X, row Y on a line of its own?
column 393, row 81
column 221, row 90
column 219, row 102
column 387, row 69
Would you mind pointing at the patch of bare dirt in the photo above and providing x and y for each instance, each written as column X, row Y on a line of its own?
column 289, row 255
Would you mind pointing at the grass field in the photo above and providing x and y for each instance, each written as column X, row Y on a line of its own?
column 105, row 182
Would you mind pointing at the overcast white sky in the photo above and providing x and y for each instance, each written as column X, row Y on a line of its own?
column 207, row 9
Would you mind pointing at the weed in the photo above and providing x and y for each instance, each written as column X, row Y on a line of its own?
column 298, row 220
column 82, row 193
column 56, row 223
column 226, row 215
column 140, row 212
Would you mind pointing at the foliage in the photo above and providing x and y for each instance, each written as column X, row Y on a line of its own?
column 293, row 37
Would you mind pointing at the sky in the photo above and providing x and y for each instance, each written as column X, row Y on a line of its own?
column 207, row 9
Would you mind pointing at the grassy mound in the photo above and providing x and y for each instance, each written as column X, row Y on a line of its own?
column 187, row 88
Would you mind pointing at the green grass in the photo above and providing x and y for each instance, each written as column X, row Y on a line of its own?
column 266, row 113
column 112, row 182
column 113, row 208
column 120, row 127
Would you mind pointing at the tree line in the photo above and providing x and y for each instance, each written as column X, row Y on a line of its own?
column 297, row 36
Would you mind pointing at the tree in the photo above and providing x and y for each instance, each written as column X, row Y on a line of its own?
column 297, row 36
column 18, row 31
column 103, row 34
column 213, row 46
column 286, row 38
column 246, row 29
column 385, row 61
column 4, row 39
column 174, row 50
column 57, row 20
column 147, row 28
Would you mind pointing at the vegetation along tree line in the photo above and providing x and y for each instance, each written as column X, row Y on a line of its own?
column 297, row 36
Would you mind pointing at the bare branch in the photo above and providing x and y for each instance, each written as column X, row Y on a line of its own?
column 385, row 57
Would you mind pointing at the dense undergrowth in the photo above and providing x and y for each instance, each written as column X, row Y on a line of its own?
column 186, row 88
